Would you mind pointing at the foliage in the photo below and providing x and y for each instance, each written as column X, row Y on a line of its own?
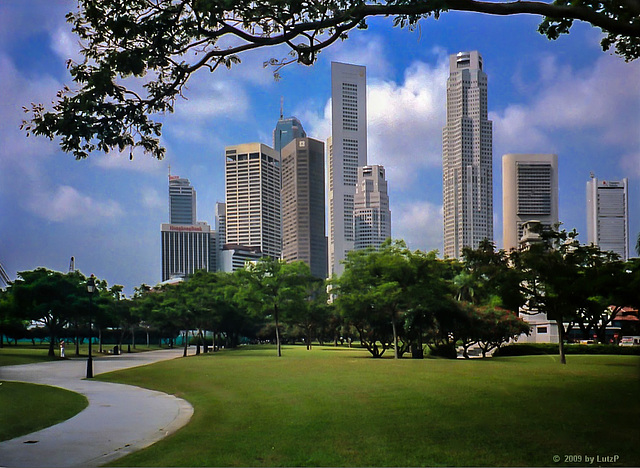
column 139, row 55
column 532, row 349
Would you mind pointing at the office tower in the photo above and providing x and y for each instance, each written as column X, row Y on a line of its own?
column 467, row 153
column 608, row 215
column 286, row 131
column 221, row 232
column 529, row 193
column 303, row 205
column 252, row 185
column 372, row 217
column 235, row 257
column 347, row 150
column 182, row 201
column 185, row 249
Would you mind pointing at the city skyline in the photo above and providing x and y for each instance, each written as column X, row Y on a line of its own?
column 565, row 97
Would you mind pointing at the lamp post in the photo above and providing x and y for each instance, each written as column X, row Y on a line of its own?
column 91, row 287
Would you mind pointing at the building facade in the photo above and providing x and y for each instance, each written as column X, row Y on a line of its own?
column 252, row 187
column 608, row 215
column 529, row 193
column 303, row 205
column 371, row 215
column 347, row 150
column 286, row 131
column 182, row 201
column 467, row 157
column 185, row 249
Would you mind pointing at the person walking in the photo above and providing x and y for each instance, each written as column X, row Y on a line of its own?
column 62, row 349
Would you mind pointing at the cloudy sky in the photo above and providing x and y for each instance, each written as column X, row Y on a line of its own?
column 565, row 96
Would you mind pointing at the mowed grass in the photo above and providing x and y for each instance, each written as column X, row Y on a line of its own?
column 26, row 408
column 338, row 407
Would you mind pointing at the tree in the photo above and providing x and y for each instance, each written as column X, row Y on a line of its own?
column 161, row 43
column 273, row 289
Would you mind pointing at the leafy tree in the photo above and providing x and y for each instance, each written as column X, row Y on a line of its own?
column 274, row 289
column 497, row 327
column 161, row 43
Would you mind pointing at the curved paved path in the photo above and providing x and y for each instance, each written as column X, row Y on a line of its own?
column 120, row 419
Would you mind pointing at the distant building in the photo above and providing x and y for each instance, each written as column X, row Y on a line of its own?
column 235, row 257
column 608, row 215
column 303, row 204
column 529, row 192
column 182, row 201
column 185, row 249
column 467, row 155
column 371, row 215
column 252, row 187
column 221, row 232
column 347, row 150
column 286, row 131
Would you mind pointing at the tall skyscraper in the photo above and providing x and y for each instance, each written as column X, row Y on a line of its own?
column 182, row 201
column 186, row 243
column 303, row 204
column 372, row 217
column 608, row 215
column 347, row 150
column 529, row 193
column 467, row 154
column 252, row 186
column 221, row 232
column 286, row 131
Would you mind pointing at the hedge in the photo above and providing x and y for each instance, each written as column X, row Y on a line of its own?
column 527, row 349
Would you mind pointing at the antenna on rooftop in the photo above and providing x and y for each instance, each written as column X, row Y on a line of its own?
column 281, row 107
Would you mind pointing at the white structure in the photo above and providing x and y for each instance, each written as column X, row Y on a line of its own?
column 529, row 192
column 347, row 150
column 371, row 215
column 235, row 257
column 467, row 154
column 608, row 215
column 252, row 186
column 185, row 249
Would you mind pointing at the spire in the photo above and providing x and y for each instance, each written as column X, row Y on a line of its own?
column 281, row 107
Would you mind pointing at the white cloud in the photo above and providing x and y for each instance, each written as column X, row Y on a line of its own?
column 419, row 223
column 362, row 49
column 66, row 204
column 152, row 199
column 141, row 162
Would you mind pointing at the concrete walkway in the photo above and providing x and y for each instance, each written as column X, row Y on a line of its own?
column 120, row 419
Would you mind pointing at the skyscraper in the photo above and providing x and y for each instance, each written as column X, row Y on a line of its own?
column 286, row 131
column 221, row 232
column 467, row 154
column 347, row 150
column 529, row 193
column 182, row 201
column 372, row 217
column 303, row 204
column 608, row 215
column 252, row 186
column 186, row 243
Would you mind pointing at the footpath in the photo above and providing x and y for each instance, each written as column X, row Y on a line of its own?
column 120, row 419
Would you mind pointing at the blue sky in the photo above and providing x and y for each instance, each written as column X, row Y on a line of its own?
column 566, row 96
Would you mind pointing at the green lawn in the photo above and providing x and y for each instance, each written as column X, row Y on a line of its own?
column 26, row 408
column 338, row 407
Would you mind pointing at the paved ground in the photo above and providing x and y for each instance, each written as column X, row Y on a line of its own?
column 120, row 419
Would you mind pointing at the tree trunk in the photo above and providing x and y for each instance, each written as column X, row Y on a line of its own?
column 277, row 332
column 563, row 358
column 100, row 340
column 395, row 337
column 52, row 340
column 186, row 343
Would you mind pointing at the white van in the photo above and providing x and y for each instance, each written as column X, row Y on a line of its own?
column 630, row 341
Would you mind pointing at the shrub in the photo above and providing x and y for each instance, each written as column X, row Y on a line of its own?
column 528, row 349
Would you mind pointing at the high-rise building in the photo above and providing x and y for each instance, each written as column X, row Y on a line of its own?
column 372, row 217
column 182, row 201
column 303, row 204
column 467, row 154
column 221, row 232
column 529, row 193
column 252, row 186
column 185, row 249
column 286, row 131
column 347, row 150
column 608, row 215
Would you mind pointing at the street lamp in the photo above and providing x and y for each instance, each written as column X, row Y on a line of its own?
column 91, row 287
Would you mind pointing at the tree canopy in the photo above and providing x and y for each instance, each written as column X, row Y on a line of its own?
column 156, row 45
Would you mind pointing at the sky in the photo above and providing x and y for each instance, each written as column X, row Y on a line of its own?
column 566, row 97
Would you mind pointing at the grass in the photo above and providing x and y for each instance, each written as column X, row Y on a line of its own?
column 11, row 355
column 337, row 407
column 26, row 408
